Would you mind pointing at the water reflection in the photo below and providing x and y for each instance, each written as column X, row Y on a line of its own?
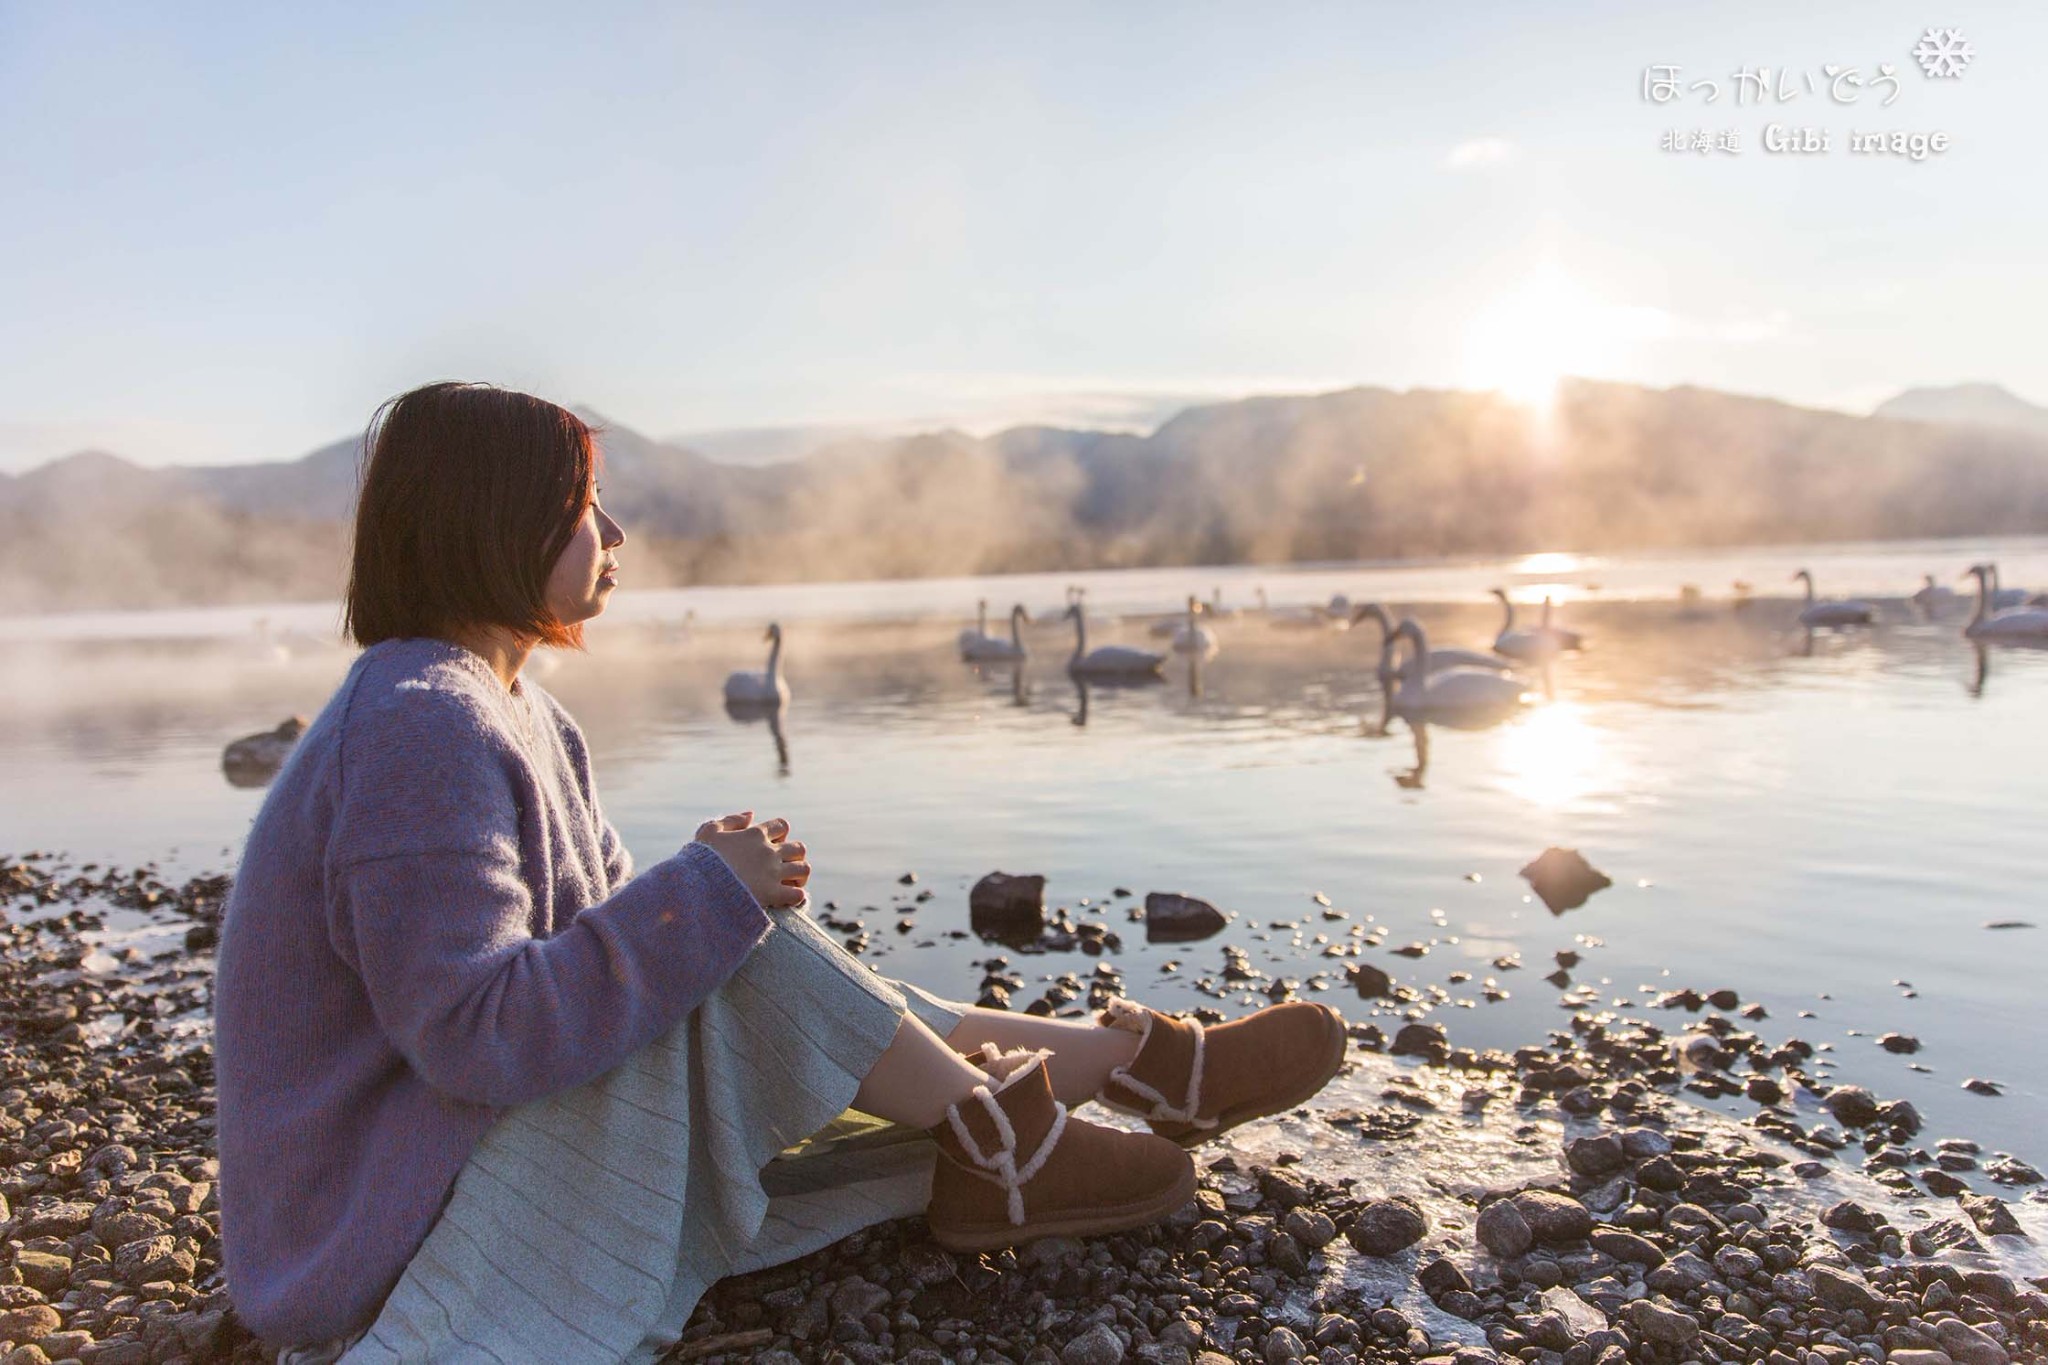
column 1760, row 789
column 1555, row 755
column 745, row 712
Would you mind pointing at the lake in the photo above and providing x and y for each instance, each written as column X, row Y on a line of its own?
column 1827, row 826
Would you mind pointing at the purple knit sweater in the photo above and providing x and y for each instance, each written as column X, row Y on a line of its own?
column 432, row 923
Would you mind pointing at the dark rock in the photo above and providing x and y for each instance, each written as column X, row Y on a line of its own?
column 1851, row 1217
column 1553, row 1218
column 1387, row 1226
column 1370, row 982
column 1563, row 880
column 1440, row 1277
column 1596, row 1156
column 1173, row 918
column 1627, row 1247
column 1904, row 1044
column 1427, row 1041
column 1852, row 1106
column 1096, row 1346
column 1680, row 1275
column 1503, row 1230
column 1844, row 1292
column 1640, row 1144
column 1991, row 1216
column 1664, row 1325
column 1943, row 1234
column 1001, row 905
column 1310, row 1227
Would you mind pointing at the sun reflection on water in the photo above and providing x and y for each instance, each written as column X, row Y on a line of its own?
column 1555, row 756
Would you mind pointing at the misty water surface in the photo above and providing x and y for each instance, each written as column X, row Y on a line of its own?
column 1828, row 831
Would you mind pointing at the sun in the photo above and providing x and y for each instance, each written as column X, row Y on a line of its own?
column 1526, row 340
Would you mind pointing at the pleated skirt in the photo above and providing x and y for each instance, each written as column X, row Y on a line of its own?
column 586, row 1226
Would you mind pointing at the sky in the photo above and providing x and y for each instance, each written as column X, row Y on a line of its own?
column 230, row 231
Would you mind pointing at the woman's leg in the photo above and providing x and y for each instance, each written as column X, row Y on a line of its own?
column 1083, row 1051
column 917, row 1077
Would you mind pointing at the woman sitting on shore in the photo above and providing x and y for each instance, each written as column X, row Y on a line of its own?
column 485, row 1092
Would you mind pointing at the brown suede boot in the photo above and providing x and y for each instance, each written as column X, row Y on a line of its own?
column 1190, row 1082
column 1013, row 1165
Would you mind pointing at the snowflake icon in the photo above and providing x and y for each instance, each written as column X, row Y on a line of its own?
column 1943, row 52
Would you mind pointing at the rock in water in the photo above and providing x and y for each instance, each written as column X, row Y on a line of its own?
column 1991, row 1216
column 253, row 760
column 1370, row 982
column 1386, row 1226
column 1173, row 918
column 1427, row 1041
column 1003, row 906
column 1563, row 880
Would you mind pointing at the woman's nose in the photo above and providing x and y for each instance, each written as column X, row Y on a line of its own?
column 613, row 534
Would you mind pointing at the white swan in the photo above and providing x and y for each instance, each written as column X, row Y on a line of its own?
column 761, row 689
column 1849, row 613
column 2002, row 596
column 1110, row 661
column 1544, row 642
column 977, row 636
column 1216, row 608
column 2014, row 623
column 1453, row 695
column 1299, row 618
column 1932, row 597
column 995, row 649
column 1439, row 659
column 1193, row 637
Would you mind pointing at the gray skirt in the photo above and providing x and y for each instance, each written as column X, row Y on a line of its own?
column 586, row 1226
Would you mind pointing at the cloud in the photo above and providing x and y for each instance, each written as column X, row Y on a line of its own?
column 1478, row 151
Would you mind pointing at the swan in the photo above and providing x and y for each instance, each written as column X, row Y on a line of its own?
column 1453, row 695
column 1570, row 639
column 1932, row 597
column 1109, row 661
column 2014, row 623
column 976, row 636
column 1193, row 637
column 2001, row 596
column 995, row 649
column 1299, row 618
column 1215, row 607
column 1850, row 613
column 761, row 689
column 1338, row 605
column 1439, row 659
column 1544, row 642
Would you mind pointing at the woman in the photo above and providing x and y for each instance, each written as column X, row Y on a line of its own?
column 485, row 1092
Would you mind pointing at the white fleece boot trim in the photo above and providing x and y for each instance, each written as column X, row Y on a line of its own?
column 1135, row 1018
column 1001, row 1166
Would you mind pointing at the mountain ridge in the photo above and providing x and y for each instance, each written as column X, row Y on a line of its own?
column 1361, row 472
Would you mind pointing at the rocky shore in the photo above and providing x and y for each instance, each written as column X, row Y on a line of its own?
column 1560, row 1204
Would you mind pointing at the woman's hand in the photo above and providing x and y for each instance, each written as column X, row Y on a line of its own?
column 763, row 856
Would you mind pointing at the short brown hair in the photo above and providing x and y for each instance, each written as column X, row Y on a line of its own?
column 469, row 495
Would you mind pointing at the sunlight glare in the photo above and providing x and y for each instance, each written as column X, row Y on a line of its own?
column 1535, row 335
column 1554, row 756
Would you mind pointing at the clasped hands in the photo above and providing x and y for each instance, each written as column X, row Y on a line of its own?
column 773, row 865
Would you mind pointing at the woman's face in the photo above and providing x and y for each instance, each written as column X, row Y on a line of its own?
column 584, row 576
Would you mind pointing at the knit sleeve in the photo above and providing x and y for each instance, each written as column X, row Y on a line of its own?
column 429, row 907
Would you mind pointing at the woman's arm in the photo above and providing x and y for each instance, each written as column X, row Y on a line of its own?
column 485, row 1012
column 429, row 905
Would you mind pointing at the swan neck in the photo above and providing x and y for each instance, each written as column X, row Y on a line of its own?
column 774, row 655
